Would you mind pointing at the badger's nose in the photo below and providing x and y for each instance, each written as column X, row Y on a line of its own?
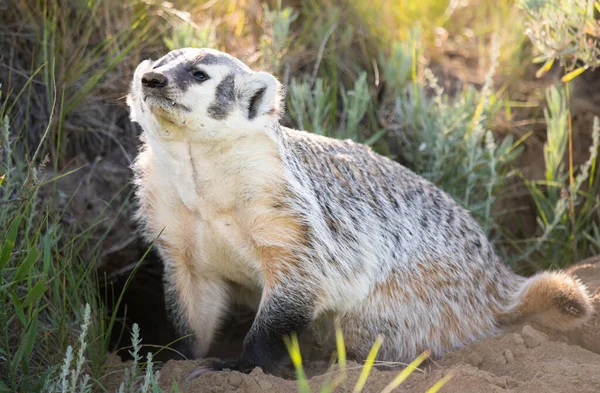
column 154, row 80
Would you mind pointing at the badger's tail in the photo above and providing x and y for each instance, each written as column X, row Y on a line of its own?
column 553, row 299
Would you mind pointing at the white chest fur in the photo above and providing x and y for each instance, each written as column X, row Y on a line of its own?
column 206, row 199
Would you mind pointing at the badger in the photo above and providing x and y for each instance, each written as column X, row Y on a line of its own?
column 303, row 227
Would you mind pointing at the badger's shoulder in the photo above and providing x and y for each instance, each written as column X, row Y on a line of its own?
column 330, row 161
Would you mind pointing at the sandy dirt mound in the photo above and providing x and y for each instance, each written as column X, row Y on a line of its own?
column 527, row 359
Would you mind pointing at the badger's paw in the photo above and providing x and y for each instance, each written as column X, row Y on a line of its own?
column 220, row 366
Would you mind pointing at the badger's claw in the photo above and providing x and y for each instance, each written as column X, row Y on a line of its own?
column 218, row 366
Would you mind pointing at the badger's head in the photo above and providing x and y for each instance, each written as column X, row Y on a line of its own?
column 203, row 94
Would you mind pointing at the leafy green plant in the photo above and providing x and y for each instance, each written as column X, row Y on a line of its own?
column 22, row 292
column 70, row 377
column 134, row 381
column 556, row 116
column 567, row 205
column 187, row 34
column 42, row 281
column 309, row 108
column 566, row 30
column 448, row 142
column 356, row 104
column 73, row 380
column 47, row 271
column 398, row 66
column 276, row 36
column 565, row 234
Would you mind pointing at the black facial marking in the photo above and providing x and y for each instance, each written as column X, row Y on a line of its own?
column 224, row 99
column 181, row 76
column 211, row 59
column 255, row 102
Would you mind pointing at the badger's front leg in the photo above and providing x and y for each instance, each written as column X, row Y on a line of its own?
column 285, row 309
column 196, row 304
column 288, row 309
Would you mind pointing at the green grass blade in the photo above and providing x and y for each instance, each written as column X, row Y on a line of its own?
column 293, row 348
column 331, row 383
column 27, row 264
column 375, row 137
column 341, row 348
column 366, row 370
column 573, row 74
column 175, row 387
column 18, row 307
column 545, row 68
column 47, row 253
column 406, row 372
column 439, row 384
column 4, row 388
column 9, row 243
column 30, row 340
column 37, row 291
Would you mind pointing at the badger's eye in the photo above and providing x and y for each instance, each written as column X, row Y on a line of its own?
column 200, row 75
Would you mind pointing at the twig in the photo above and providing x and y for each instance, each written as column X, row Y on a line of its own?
column 571, row 177
column 119, row 144
column 20, row 73
column 320, row 54
column 207, row 5
column 31, row 171
column 375, row 71
column 286, row 74
column 13, row 201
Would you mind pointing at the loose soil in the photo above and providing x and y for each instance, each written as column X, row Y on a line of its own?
column 526, row 359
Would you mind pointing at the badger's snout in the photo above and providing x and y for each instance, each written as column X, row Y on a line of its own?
column 154, row 80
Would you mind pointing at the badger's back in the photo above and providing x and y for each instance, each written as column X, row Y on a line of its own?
column 363, row 203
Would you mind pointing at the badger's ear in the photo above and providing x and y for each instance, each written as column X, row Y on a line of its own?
column 261, row 94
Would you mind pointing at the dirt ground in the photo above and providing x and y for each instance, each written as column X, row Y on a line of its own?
column 526, row 359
